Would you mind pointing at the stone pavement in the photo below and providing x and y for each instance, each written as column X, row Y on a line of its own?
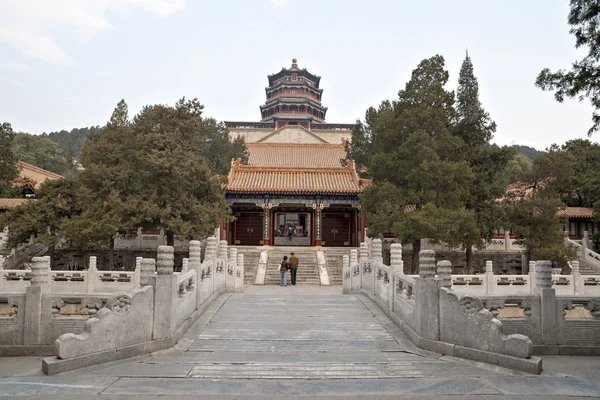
column 298, row 342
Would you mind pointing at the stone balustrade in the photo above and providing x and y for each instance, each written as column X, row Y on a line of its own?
column 93, row 316
column 498, row 319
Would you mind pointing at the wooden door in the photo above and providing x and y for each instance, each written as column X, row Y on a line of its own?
column 247, row 229
column 336, row 229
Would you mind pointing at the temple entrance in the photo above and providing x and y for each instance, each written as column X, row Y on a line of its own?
column 292, row 228
column 337, row 229
column 247, row 228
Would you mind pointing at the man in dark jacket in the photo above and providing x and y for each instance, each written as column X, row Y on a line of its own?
column 293, row 267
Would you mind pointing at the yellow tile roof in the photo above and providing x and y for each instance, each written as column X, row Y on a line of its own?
column 5, row 204
column 259, row 179
column 296, row 155
column 577, row 212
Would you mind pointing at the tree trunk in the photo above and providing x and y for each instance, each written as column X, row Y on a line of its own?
column 170, row 238
column 51, row 254
column 416, row 245
column 111, row 254
column 469, row 254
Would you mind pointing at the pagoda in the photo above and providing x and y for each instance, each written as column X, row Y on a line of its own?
column 293, row 98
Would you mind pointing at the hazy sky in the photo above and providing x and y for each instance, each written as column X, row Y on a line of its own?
column 66, row 63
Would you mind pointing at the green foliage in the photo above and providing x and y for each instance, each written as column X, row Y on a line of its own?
column 527, row 151
column 582, row 80
column 518, row 169
column 217, row 147
column 71, row 142
column 153, row 171
column 8, row 169
column 415, row 161
column 57, row 203
column 41, row 152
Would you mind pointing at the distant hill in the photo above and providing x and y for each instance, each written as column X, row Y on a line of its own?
column 71, row 142
column 528, row 152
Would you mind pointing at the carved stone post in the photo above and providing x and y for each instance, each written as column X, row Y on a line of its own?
column 427, row 297
column 211, row 256
column 576, row 277
column 92, row 275
column 532, row 276
column 239, row 274
column 490, row 288
column 364, row 251
column 166, row 294
column 346, row 275
column 40, row 275
column 185, row 265
column 377, row 251
column 194, row 256
column 222, row 250
column 147, row 270
column 396, row 263
column 230, row 268
column 427, row 264
column 548, row 312
column 444, row 272
column 137, row 272
column 354, row 264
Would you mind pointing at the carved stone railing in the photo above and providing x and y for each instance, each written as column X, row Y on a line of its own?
column 153, row 309
column 432, row 314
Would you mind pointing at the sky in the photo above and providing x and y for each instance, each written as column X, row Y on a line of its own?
column 65, row 64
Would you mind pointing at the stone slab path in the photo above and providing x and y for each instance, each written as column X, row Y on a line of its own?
column 295, row 342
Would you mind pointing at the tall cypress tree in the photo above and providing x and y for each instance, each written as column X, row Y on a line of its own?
column 8, row 169
column 475, row 127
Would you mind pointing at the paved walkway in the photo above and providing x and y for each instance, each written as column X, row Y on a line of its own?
column 298, row 342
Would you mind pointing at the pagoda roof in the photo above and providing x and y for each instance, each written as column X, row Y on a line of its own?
column 294, row 84
column 577, row 212
column 296, row 154
column 293, row 100
column 294, row 68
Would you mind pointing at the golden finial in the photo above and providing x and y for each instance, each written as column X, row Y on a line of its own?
column 294, row 62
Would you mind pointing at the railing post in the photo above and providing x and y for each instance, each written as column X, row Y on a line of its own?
column 353, row 264
column 92, row 275
column 240, row 271
column 490, row 289
column 532, row 272
column 444, row 272
column 211, row 256
column 147, row 270
column 230, row 268
column 427, row 297
column 576, row 276
column 40, row 271
column 165, row 294
column 548, row 312
column 137, row 272
column 346, row 275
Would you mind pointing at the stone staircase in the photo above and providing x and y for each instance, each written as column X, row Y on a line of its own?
column 334, row 257
column 585, row 269
column 307, row 274
column 251, row 257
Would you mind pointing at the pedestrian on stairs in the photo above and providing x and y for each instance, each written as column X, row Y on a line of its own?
column 293, row 267
column 283, row 267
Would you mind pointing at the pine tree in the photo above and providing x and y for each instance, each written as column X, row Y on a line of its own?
column 420, row 175
column 488, row 162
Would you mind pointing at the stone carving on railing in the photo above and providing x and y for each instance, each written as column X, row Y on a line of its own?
column 92, row 304
column 465, row 322
column 364, row 251
column 57, row 304
column 147, row 271
column 594, row 307
column 427, row 264
column 444, row 271
column 40, row 269
column 165, row 260
column 126, row 320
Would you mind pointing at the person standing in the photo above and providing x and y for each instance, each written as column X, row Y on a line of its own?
column 283, row 267
column 293, row 267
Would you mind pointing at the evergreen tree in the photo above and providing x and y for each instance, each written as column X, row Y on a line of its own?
column 488, row 163
column 8, row 169
column 420, row 175
column 582, row 80
column 41, row 152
